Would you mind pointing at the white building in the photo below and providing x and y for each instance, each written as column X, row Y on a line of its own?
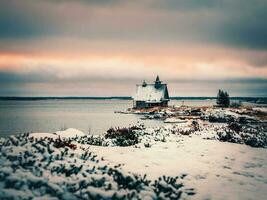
column 151, row 95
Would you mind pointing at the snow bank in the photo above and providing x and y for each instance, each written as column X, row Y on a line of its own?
column 261, row 109
column 68, row 133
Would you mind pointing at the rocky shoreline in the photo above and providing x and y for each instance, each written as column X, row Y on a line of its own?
column 245, row 125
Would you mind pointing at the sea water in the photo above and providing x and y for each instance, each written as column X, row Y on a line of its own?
column 90, row 116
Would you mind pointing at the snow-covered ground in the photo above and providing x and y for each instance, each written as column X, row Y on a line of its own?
column 36, row 166
column 44, row 168
column 217, row 170
column 262, row 109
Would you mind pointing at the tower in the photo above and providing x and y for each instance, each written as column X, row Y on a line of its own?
column 157, row 82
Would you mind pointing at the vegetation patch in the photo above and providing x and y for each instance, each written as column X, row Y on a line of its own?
column 53, row 169
column 92, row 140
column 124, row 136
column 254, row 136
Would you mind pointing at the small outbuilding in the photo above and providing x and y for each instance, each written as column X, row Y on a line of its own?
column 151, row 95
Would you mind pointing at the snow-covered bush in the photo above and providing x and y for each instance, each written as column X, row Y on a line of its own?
column 92, row 140
column 168, row 188
column 58, row 143
column 229, row 135
column 37, row 168
column 235, row 104
column 244, row 134
column 254, row 136
column 123, row 136
column 220, row 118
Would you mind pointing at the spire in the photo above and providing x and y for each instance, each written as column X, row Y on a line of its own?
column 144, row 83
column 157, row 82
column 157, row 79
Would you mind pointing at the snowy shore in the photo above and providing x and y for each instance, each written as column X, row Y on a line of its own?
column 64, row 167
column 198, row 158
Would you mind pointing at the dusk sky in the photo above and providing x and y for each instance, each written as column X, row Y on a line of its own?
column 105, row 47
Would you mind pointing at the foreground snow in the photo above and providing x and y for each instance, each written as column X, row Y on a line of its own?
column 216, row 170
column 65, row 165
column 48, row 168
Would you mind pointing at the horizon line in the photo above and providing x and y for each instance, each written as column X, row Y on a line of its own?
column 119, row 97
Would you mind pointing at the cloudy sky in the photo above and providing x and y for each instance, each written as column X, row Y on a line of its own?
column 105, row 47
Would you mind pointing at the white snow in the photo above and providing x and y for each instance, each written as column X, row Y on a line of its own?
column 216, row 170
column 261, row 109
column 68, row 133
column 221, row 113
column 39, row 168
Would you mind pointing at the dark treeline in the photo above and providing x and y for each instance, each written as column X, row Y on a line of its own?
column 60, row 98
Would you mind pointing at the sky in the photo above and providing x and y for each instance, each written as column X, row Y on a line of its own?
column 105, row 47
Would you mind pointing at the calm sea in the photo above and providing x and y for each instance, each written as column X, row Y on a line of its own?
column 94, row 116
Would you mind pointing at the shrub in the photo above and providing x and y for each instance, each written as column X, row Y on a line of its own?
column 195, row 126
column 123, row 136
column 228, row 135
column 235, row 127
column 236, row 104
column 92, row 140
column 147, row 145
column 168, row 188
column 59, row 143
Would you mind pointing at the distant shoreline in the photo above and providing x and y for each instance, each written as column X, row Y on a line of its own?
column 10, row 98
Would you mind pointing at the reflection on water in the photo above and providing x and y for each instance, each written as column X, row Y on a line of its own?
column 94, row 116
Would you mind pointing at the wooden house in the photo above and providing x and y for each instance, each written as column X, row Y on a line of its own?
column 151, row 95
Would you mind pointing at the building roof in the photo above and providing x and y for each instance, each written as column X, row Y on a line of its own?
column 151, row 94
